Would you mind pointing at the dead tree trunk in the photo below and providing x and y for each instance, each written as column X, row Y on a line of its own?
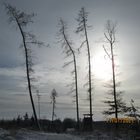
column 28, row 74
column 22, row 19
column 71, row 52
column 82, row 27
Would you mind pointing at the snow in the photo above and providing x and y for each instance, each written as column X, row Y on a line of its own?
column 24, row 134
column 5, row 135
column 32, row 135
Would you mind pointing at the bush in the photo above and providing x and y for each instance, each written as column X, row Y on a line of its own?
column 68, row 123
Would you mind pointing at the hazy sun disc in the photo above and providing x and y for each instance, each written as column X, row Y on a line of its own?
column 101, row 67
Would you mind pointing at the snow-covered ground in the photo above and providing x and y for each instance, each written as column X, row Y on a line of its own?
column 34, row 135
column 24, row 134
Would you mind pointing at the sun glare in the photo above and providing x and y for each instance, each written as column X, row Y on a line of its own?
column 101, row 67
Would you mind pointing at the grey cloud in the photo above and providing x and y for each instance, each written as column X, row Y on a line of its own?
column 49, row 61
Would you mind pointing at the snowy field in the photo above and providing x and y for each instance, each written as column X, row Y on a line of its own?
column 24, row 134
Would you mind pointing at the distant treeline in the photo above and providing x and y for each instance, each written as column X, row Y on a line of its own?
column 46, row 125
column 60, row 126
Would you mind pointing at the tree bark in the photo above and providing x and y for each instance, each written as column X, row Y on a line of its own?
column 114, row 81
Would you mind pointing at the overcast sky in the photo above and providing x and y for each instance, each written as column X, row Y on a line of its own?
column 14, row 98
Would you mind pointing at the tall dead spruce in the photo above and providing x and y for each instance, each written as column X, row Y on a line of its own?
column 21, row 20
column 82, row 28
column 69, row 51
column 117, row 105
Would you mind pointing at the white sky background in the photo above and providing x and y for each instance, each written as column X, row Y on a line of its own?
column 14, row 98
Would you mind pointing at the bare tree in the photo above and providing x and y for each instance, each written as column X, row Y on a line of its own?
column 82, row 28
column 21, row 20
column 38, row 97
column 117, row 105
column 53, row 96
column 133, row 111
column 70, row 52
